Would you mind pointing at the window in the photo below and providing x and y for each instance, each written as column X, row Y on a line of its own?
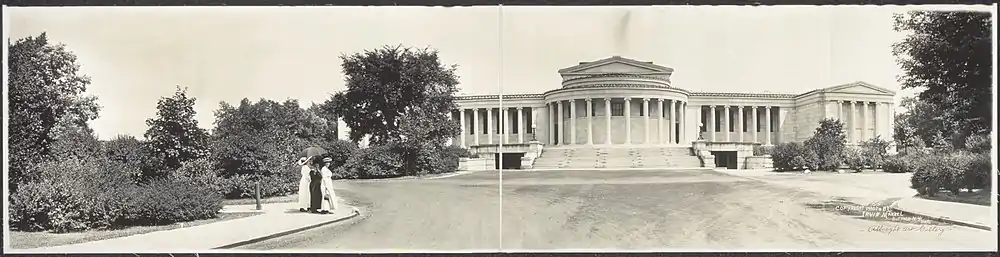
column 617, row 109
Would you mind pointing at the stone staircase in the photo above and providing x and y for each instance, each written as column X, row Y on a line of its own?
column 617, row 157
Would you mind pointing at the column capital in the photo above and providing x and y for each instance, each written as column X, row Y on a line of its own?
column 607, row 99
column 754, row 107
column 588, row 99
column 840, row 101
column 645, row 99
column 520, row 108
column 628, row 99
column 711, row 107
column 767, row 107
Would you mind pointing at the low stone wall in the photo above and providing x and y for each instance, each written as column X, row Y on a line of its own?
column 757, row 162
column 475, row 164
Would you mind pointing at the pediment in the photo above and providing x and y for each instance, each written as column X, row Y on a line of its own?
column 859, row 88
column 616, row 64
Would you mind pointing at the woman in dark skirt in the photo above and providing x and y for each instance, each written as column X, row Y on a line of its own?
column 315, row 188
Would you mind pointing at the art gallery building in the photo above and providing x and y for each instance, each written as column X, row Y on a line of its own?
column 624, row 103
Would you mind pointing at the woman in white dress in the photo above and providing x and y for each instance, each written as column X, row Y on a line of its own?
column 304, row 185
column 329, row 196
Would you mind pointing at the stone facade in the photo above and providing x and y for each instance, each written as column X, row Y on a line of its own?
column 620, row 101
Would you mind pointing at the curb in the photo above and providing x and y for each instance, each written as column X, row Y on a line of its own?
column 628, row 169
column 288, row 232
column 941, row 218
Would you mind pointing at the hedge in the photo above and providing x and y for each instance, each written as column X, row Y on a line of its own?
column 950, row 171
column 93, row 193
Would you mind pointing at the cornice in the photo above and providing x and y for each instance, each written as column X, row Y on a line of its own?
column 618, row 75
column 497, row 97
column 615, row 85
column 746, row 95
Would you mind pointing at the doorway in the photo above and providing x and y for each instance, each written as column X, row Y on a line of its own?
column 510, row 161
column 727, row 159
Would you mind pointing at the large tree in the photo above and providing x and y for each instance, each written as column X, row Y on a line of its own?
column 173, row 135
column 46, row 92
column 383, row 84
column 922, row 124
column 948, row 54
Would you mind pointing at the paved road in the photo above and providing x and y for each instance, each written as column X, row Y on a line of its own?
column 635, row 210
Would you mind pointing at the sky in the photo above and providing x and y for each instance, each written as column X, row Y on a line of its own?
column 135, row 55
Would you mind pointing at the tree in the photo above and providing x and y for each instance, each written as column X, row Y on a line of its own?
column 133, row 153
column 424, row 131
column 45, row 89
column 922, row 121
column 949, row 55
column 828, row 143
column 383, row 84
column 173, row 135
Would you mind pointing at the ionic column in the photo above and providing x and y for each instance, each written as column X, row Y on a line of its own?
column 767, row 120
column 520, row 125
column 753, row 129
column 645, row 110
column 671, row 118
column 572, row 122
column 711, row 127
column 661, row 130
column 562, row 129
column 682, row 114
column 552, row 123
column 590, row 121
column 489, row 126
column 739, row 122
column 475, row 125
column 729, row 120
column 628, row 121
column 864, row 120
column 607, row 118
column 461, row 120
column 854, row 123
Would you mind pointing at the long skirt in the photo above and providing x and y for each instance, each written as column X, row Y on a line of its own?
column 315, row 192
column 304, row 193
column 329, row 196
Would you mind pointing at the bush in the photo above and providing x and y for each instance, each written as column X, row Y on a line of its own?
column 873, row 152
column 784, row 156
column 200, row 172
column 95, row 193
column 828, row 143
column 340, row 151
column 373, row 162
column 761, row 150
column 898, row 164
column 854, row 159
column 166, row 201
column 978, row 144
column 953, row 172
column 244, row 186
column 459, row 151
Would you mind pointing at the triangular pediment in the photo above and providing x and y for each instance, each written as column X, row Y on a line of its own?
column 616, row 64
column 859, row 88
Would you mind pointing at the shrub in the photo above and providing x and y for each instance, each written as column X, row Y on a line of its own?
column 762, row 150
column 200, row 172
column 954, row 171
column 459, row 152
column 874, row 152
column 244, row 186
column 340, row 151
column 80, row 194
column 978, row 144
column 783, row 156
column 854, row 159
column 373, row 162
column 166, row 201
column 828, row 144
column 898, row 164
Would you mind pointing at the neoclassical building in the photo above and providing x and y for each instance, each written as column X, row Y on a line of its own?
column 621, row 102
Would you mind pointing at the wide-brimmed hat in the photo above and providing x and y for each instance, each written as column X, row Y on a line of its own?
column 327, row 159
column 303, row 160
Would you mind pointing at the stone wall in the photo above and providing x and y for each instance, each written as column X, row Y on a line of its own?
column 756, row 162
column 476, row 164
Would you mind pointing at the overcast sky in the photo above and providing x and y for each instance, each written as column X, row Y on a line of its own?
column 136, row 55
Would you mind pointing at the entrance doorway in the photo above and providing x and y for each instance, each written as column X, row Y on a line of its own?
column 510, row 161
column 727, row 159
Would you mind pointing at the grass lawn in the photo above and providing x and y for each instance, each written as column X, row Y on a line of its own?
column 274, row 199
column 27, row 240
column 979, row 197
